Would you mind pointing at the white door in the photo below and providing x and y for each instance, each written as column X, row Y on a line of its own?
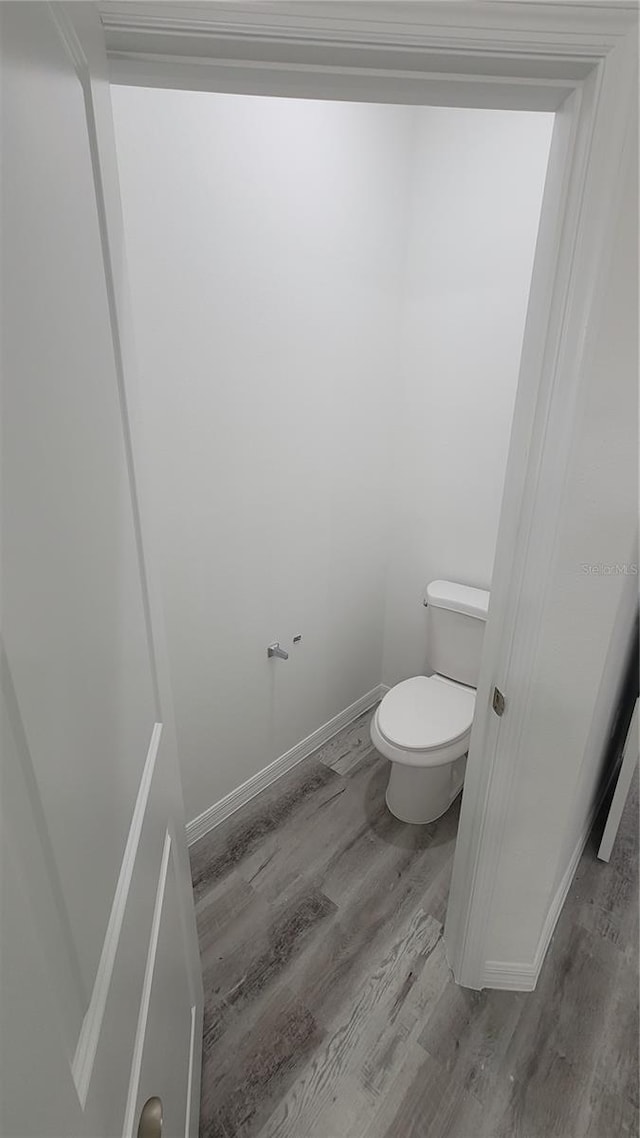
column 100, row 989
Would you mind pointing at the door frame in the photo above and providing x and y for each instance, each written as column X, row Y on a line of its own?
column 579, row 63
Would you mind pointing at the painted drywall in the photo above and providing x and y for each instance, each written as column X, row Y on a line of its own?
column 265, row 244
column 591, row 601
column 328, row 302
column 477, row 179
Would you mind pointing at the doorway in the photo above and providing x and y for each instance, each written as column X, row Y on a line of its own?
column 329, row 301
column 576, row 229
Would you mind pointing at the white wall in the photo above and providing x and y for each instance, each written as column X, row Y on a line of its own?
column 329, row 301
column 476, row 192
column 589, row 614
column 265, row 246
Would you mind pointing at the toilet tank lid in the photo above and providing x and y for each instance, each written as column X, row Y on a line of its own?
column 458, row 598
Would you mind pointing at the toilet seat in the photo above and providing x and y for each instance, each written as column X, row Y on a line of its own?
column 426, row 713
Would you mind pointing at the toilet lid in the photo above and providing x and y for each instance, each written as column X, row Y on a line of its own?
column 426, row 712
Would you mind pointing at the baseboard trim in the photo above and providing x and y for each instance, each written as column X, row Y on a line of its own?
column 237, row 798
column 524, row 977
column 508, row 976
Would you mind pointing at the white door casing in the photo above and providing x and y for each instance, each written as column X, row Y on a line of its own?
column 100, row 986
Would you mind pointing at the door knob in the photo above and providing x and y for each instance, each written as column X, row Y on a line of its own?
column 150, row 1124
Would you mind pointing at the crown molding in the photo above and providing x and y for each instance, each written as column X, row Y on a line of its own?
column 189, row 28
column 500, row 53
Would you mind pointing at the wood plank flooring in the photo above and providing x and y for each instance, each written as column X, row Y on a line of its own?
column 330, row 1011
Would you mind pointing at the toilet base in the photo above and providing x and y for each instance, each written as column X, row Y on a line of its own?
column 421, row 794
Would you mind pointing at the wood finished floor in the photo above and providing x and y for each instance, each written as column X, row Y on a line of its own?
column 329, row 1008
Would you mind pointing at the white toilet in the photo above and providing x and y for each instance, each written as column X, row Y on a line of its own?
column 423, row 724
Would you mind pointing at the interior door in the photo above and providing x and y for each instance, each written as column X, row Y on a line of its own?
column 100, row 989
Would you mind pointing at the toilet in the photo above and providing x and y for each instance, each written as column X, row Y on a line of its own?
column 423, row 724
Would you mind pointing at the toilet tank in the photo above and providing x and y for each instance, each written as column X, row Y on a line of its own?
column 456, row 616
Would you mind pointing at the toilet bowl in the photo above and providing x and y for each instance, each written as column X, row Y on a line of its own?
column 423, row 724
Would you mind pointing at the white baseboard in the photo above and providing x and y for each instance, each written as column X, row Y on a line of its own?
column 506, row 975
column 228, row 805
column 523, row 977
